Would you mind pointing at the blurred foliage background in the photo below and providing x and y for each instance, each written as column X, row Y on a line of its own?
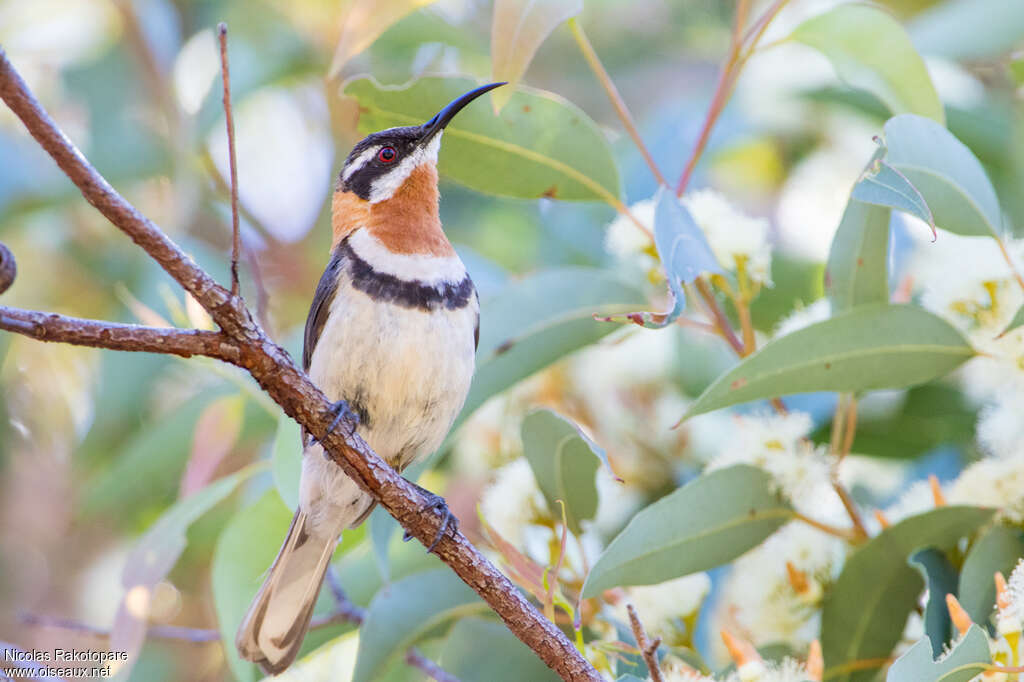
column 95, row 446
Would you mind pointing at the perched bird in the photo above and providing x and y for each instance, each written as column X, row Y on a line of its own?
column 391, row 336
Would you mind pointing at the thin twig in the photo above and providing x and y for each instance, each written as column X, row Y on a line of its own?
column 848, row 535
column 851, row 510
column 432, row 670
column 278, row 375
column 613, row 94
column 195, row 635
column 342, row 605
column 851, row 429
column 735, row 60
column 721, row 321
column 222, row 35
column 648, row 648
column 1009, row 262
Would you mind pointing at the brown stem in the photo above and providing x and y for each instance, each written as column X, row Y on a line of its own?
column 222, row 35
column 276, row 373
column 1009, row 261
column 735, row 60
column 851, row 510
column 648, row 648
column 826, row 528
column 432, row 670
column 721, row 321
column 851, row 428
column 613, row 94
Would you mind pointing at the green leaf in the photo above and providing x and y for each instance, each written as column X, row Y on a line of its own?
column 967, row 659
column 157, row 551
column 539, row 319
column 946, row 173
column 998, row 549
column 866, row 610
column 858, row 262
column 540, row 145
column 869, row 347
column 708, row 522
column 518, row 29
column 870, row 50
column 405, row 611
column 286, row 459
column 941, row 578
column 931, row 415
column 1018, row 320
column 684, row 253
column 245, row 549
column 564, row 465
column 883, row 185
column 968, row 29
column 479, row 650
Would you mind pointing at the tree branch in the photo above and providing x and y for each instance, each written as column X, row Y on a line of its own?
column 648, row 648
column 275, row 371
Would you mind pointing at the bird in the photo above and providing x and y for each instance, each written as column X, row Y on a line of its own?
column 391, row 338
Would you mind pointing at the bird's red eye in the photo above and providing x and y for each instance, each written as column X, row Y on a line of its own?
column 387, row 154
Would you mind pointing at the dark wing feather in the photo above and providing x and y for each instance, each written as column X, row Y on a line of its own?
column 320, row 307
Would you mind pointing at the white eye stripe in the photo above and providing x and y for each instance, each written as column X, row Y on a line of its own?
column 385, row 186
column 359, row 162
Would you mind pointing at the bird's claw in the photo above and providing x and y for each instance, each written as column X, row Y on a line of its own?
column 341, row 411
column 448, row 520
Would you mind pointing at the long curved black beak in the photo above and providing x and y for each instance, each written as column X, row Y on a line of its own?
column 443, row 117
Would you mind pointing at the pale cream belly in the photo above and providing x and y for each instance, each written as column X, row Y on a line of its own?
column 406, row 370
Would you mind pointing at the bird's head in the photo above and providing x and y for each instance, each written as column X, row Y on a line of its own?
column 382, row 162
column 388, row 184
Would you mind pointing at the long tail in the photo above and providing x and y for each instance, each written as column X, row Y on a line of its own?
column 276, row 623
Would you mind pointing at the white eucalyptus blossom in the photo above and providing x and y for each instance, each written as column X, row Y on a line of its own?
column 759, row 598
column 778, row 444
column 513, row 502
column 819, row 311
column 1016, row 589
column 735, row 238
column 993, row 483
column 1001, row 426
column 661, row 606
column 625, row 240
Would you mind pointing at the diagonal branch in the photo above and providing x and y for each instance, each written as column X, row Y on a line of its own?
column 276, row 373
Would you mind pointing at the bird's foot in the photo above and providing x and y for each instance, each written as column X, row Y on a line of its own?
column 341, row 411
column 448, row 520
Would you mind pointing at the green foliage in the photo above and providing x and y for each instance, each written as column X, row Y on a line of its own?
column 533, row 322
column 870, row 50
column 941, row 579
column 708, row 522
column 967, row 660
column 858, row 263
column 406, row 611
column 865, row 611
column 946, row 173
column 869, row 347
column 286, row 459
column 478, row 650
column 540, row 145
column 997, row 549
column 564, row 464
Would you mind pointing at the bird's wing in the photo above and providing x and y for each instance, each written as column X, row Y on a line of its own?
column 320, row 307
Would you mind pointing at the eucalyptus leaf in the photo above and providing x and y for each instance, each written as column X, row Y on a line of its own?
column 479, row 650
column 707, row 522
column 518, row 28
column 946, row 173
column 998, row 549
column 870, row 50
column 286, row 458
column 941, row 578
column 539, row 319
column 540, row 145
column 405, row 611
column 968, row 29
column 563, row 464
column 869, row 347
column 865, row 611
column 967, row 660
column 883, row 185
column 363, row 22
column 155, row 555
column 684, row 253
column 858, row 261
